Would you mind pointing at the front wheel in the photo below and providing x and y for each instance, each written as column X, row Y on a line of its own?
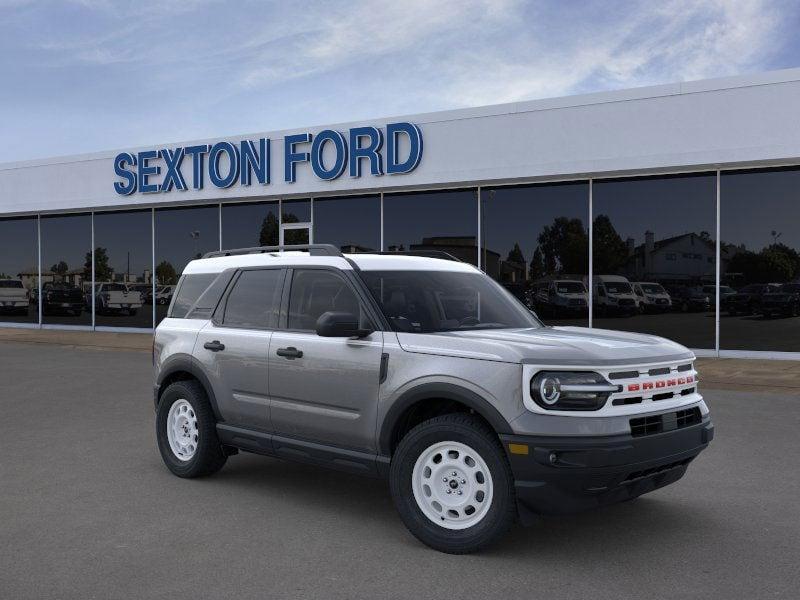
column 186, row 431
column 452, row 484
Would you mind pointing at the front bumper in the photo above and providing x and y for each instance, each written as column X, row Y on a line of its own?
column 594, row 471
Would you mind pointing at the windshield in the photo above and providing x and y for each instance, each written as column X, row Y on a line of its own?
column 652, row 288
column 435, row 301
column 570, row 287
column 616, row 287
column 10, row 283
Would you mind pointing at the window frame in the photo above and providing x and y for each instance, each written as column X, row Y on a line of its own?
column 218, row 318
column 355, row 284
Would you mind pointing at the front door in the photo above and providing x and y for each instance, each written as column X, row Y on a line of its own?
column 233, row 349
column 323, row 389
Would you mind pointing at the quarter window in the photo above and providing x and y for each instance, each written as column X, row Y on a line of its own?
column 190, row 289
column 253, row 301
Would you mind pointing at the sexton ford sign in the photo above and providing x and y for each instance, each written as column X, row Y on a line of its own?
column 225, row 164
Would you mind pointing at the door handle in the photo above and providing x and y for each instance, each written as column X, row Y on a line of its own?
column 290, row 352
column 214, row 346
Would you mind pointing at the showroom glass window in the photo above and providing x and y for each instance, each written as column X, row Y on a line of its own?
column 352, row 224
column 430, row 221
column 535, row 241
column 67, row 269
column 181, row 235
column 295, row 222
column 123, row 268
column 654, row 256
column 250, row 224
column 19, row 270
column 760, row 260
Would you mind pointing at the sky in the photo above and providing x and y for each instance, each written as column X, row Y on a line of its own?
column 90, row 75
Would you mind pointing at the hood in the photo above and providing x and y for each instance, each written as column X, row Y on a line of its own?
column 547, row 345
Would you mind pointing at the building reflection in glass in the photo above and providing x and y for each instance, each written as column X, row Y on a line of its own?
column 535, row 241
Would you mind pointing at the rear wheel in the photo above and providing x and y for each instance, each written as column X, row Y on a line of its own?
column 452, row 484
column 186, row 431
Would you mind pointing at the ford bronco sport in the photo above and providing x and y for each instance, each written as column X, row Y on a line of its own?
column 424, row 371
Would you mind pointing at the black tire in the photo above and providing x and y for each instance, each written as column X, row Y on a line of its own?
column 209, row 456
column 473, row 432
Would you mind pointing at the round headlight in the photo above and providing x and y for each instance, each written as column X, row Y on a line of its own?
column 550, row 390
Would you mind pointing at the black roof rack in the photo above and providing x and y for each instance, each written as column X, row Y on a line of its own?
column 313, row 250
column 426, row 253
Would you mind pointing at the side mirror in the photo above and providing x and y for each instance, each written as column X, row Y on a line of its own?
column 340, row 324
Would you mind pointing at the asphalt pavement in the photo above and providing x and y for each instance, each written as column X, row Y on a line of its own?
column 87, row 510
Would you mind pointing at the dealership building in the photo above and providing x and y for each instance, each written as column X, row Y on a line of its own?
column 672, row 210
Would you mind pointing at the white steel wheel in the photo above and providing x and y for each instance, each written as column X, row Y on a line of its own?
column 182, row 432
column 452, row 485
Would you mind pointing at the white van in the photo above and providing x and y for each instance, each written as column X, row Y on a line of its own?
column 651, row 297
column 613, row 295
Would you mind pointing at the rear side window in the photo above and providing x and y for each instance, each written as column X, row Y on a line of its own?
column 316, row 291
column 189, row 290
column 254, row 300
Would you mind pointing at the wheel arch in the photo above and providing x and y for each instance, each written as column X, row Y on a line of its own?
column 416, row 398
column 182, row 367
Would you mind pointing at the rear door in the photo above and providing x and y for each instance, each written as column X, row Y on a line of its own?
column 323, row 389
column 233, row 347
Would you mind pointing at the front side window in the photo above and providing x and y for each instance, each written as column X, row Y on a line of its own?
column 254, row 299
column 317, row 291
column 436, row 301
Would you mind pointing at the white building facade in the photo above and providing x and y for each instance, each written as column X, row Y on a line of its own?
column 690, row 185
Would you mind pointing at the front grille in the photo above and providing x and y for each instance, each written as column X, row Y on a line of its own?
column 653, row 424
column 626, row 302
column 623, row 375
column 630, row 400
column 577, row 302
column 636, row 475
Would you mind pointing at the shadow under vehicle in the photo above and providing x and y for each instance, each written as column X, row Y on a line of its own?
column 690, row 299
column 651, row 297
column 747, row 301
column 61, row 298
column 560, row 298
column 785, row 301
column 14, row 298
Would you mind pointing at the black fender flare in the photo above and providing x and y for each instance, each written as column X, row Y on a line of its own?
column 185, row 363
column 446, row 391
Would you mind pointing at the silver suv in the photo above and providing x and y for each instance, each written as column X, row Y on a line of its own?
column 424, row 371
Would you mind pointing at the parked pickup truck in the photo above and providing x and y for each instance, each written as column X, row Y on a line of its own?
column 115, row 298
column 61, row 298
column 14, row 298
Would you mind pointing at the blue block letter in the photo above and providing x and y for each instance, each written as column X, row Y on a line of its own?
column 318, row 147
column 290, row 157
column 393, row 131
column 254, row 161
column 370, row 151
column 122, row 159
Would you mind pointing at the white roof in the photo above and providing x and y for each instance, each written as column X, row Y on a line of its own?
column 366, row 262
